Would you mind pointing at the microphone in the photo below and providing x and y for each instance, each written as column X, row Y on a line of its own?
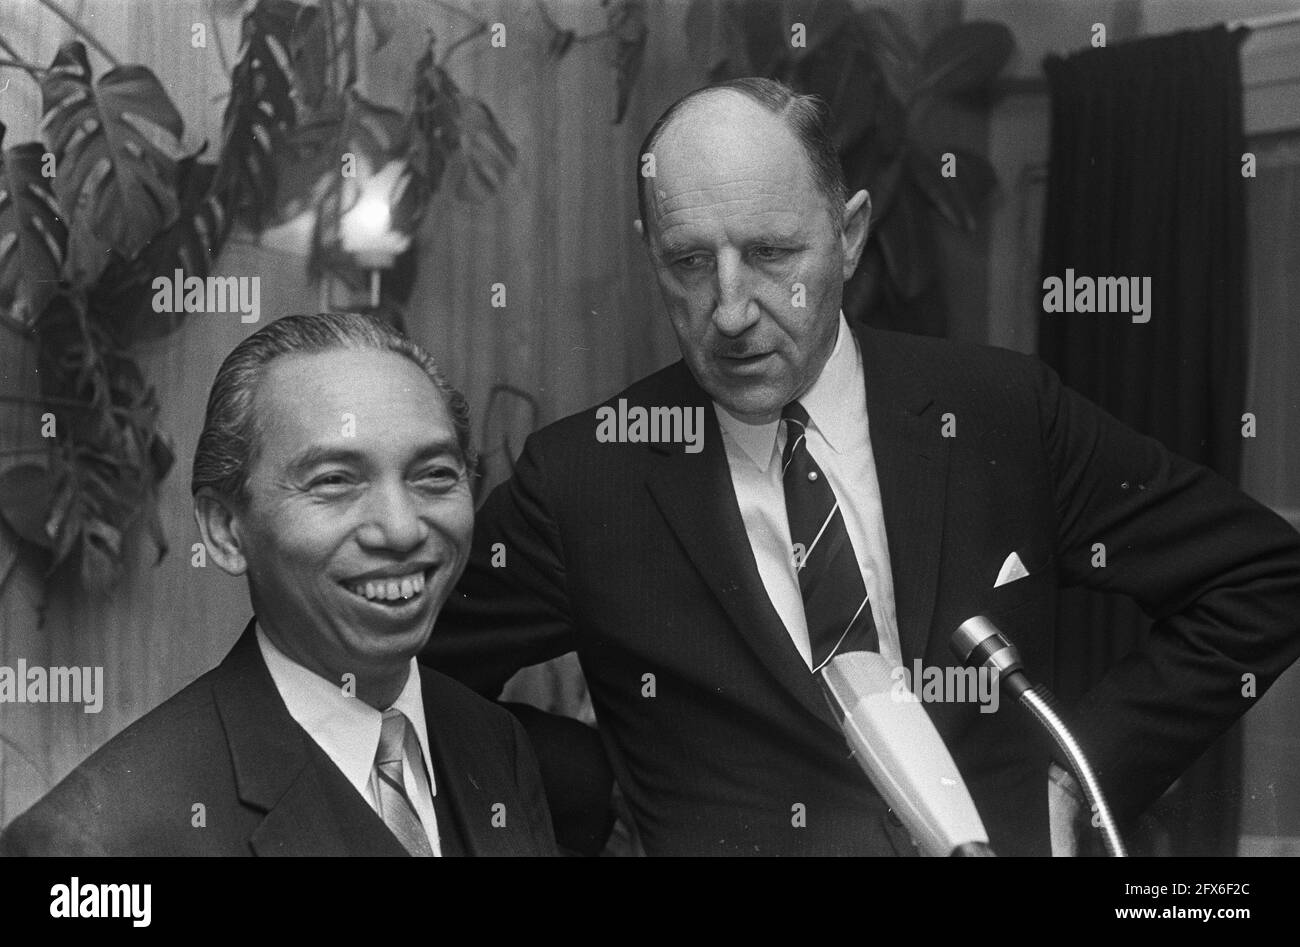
column 977, row 641
column 903, row 755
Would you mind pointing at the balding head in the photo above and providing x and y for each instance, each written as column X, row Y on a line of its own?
column 718, row 114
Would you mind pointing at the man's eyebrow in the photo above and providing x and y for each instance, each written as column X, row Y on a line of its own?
column 669, row 248
column 434, row 448
column 783, row 237
column 321, row 455
column 316, row 456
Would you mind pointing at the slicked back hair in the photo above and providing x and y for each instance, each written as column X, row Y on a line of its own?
column 229, row 444
column 807, row 117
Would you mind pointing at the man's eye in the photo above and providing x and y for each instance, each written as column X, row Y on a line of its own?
column 330, row 481
column 768, row 254
column 441, row 477
column 691, row 261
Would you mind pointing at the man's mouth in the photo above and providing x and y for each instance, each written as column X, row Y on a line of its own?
column 392, row 591
column 743, row 361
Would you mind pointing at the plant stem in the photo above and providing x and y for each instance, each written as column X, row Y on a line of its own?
column 473, row 34
column 216, row 36
column 34, row 71
column 17, row 59
column 353, row 13
column 452, row 8
column 80, row 30
column 546, row 15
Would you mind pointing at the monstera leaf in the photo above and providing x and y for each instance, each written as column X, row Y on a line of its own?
column 123, row 296
column 486, row 155
column 313, row 52
column 435, row 126
column 260, row 112
column 384, row 20
column 455, row 134
column 116, row 144
column 965, row 58
column 889, row 45
column 25, row 495
column 109, row 457
column 33, row 235
column 193, row 242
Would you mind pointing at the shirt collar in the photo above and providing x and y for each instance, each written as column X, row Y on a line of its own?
column 346, row 728
column 830, row 412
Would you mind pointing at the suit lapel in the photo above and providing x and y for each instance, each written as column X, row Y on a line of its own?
column 321, row 813
column 912, row 468
column 459, row 759
column 310, row 807
column 696, row 496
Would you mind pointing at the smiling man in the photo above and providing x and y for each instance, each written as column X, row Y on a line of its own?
column 333, row 472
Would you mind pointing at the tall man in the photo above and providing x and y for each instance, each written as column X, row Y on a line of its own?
column 333, row 471
column 856, row 489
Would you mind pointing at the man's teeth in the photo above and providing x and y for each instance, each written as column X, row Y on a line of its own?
column 390, row 590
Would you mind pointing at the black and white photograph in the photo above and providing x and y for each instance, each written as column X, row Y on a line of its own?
column 670, row 428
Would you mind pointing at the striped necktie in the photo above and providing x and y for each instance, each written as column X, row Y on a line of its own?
column 396, row 740
column 834, row 597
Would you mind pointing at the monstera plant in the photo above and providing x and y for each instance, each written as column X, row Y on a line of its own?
column 111, row 199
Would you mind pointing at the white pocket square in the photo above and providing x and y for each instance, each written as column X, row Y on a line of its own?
column 1012, row 570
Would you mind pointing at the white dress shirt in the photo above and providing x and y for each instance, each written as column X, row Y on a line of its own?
column 347, row 729
column 839, row 440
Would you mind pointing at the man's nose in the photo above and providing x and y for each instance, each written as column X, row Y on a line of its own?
column 392, row 519
column 735, row 308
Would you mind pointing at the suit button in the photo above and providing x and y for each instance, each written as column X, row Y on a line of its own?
column 894, row 819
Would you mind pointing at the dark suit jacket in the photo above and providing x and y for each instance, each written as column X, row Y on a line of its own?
column 227, row 741
column 635, row 555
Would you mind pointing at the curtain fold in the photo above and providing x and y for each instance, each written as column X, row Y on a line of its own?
column 1145, row 180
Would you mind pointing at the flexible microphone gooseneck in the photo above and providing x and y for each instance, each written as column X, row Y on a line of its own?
column 978, row 642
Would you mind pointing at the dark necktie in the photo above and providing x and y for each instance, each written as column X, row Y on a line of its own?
column 834, row 599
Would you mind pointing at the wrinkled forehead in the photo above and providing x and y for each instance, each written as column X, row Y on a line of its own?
column 728, row 152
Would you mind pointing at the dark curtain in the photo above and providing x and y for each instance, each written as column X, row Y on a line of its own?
column 1145, row 179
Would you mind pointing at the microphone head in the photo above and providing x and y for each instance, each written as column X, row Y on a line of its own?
column 896, row 743
column 977, row 641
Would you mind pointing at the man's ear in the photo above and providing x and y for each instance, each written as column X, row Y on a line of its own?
column 218, row 520
column 857, row 223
